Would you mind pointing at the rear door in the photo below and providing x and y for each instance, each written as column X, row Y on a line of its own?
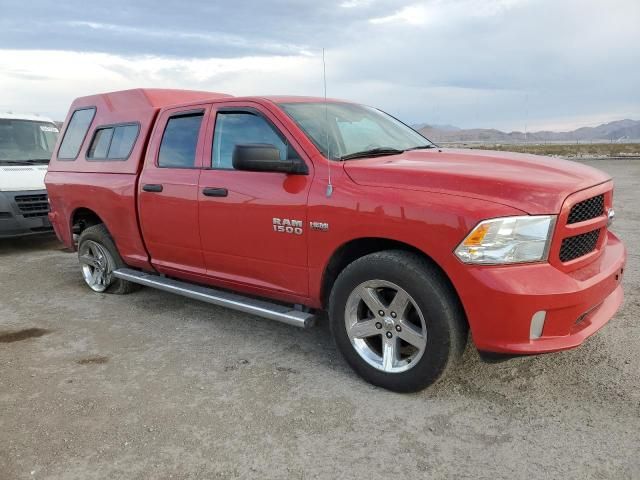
column 168, row 191
column 253, row 224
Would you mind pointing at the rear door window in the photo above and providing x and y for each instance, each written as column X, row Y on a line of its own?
column 180, row 141
column 75, row 133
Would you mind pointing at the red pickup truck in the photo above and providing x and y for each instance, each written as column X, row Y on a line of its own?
column 285, row 207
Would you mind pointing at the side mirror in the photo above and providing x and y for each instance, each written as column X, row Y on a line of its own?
column 259, row 157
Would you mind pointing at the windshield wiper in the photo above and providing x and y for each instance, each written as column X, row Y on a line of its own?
column 421, row 147
column 13, row 162
column 374, row 152
column 30, row 161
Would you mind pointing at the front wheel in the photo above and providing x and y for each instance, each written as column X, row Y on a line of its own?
column 396, row 320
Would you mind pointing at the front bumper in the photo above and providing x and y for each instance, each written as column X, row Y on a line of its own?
column 24, row 213
column 501, row 302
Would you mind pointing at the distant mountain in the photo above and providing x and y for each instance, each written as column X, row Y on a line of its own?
column 618, row 131
column 445, row 128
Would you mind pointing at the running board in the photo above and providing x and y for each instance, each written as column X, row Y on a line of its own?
column 261, row 308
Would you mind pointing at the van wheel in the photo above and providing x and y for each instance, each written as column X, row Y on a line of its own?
column 396, row 320
column 98, row 258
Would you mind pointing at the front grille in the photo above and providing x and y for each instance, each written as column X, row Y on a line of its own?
column 5, row 215
column 587, row 209
column 32, row 205
column 579, row 245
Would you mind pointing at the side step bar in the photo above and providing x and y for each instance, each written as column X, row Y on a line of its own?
column 261, row 308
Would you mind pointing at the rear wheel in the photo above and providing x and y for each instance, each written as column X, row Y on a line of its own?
column 99, row 258
column 396, row 320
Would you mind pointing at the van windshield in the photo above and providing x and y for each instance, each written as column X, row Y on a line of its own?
column 25, row 141
column 345, row 130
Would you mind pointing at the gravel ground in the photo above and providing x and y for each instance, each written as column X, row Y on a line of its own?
column 154, row 386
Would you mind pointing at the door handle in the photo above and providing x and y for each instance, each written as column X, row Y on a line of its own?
column 215, row 192
column 152, row 187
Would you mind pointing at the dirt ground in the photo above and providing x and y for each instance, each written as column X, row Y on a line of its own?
column 155, row 386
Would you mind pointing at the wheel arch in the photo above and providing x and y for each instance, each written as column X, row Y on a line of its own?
column 359, row 247
column 82, row 218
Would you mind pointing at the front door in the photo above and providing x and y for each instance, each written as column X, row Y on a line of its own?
column 168, row 191
column 253, row 224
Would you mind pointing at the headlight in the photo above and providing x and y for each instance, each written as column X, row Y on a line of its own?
column 508, row 240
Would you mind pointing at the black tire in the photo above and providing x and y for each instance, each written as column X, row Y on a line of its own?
column 100, row 234
column 443, row 314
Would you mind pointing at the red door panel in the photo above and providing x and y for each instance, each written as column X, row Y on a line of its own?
column 169, row 219
column 168, row 203
column 239, row 241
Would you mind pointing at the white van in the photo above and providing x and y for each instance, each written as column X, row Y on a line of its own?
column 26, row 145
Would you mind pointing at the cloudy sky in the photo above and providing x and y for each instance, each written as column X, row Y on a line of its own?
column 506, row 64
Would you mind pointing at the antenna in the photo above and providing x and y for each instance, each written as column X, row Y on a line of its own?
column 326, row 124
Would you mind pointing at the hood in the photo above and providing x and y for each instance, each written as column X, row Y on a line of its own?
column 14, row 178
column 531, row 183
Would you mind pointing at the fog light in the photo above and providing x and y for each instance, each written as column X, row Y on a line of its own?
column 537, row 324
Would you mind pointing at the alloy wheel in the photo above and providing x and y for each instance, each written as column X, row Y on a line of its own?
column 385, row 326
column 97, row 265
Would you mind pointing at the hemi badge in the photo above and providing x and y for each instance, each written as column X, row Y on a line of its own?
column 320, row 226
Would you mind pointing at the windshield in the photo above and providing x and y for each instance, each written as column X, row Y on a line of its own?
column 24, row 141
column 344, row 129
